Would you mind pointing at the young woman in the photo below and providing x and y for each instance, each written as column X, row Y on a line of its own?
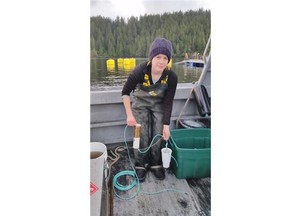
column 153, row 86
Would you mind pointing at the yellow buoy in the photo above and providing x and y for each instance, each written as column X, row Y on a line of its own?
column 127, row 67
column 111, row 68
column 129, row 64
column 133, row 62
column 126, row 62
column 120, row 61
column 110, row 63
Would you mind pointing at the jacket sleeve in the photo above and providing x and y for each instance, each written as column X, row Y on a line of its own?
column 133, row 79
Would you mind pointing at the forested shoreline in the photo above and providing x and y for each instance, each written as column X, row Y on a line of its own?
column 188, row 32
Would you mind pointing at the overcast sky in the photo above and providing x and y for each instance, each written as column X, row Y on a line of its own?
column 128, row 8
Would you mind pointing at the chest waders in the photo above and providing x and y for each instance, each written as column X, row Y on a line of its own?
column 147, row 108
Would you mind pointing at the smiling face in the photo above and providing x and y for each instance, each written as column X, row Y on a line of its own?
column 159, row 63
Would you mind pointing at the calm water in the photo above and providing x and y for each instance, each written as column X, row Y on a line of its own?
column 101, row 76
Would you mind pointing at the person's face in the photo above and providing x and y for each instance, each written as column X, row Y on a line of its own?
column 159, row 63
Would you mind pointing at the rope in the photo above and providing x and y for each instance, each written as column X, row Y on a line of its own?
column 114, row 160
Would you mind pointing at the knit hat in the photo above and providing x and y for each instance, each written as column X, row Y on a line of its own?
column 160, row 46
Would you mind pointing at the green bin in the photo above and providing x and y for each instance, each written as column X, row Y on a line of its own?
column 191, row 148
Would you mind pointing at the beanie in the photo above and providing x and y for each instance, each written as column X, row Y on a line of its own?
column 160, row 46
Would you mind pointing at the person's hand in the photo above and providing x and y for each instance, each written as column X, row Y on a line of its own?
column 131, row 121
column 166, row 132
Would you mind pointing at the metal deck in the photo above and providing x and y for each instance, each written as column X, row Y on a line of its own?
column 192, row 196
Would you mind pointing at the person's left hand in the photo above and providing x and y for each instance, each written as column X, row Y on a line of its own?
column 166, row 132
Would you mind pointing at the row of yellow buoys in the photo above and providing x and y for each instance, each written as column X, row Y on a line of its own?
column 126, row 64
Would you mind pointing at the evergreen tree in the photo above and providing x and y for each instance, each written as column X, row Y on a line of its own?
column 188, row 32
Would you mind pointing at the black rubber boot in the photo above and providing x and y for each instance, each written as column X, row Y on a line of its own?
column 158, row 172
column 141, row 173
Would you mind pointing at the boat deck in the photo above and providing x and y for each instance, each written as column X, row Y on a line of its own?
column 170, row 196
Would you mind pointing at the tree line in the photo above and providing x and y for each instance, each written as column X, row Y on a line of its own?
column 188, row 32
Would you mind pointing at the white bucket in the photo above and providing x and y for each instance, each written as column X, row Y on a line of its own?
column 166, row 157
column 99, row 150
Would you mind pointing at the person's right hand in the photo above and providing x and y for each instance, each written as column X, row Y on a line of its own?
column 131, row 121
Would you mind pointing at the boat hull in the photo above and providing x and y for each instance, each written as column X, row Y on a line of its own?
column 108, row 117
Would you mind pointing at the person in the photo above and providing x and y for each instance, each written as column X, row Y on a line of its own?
column 153, row 86
column 186, row 56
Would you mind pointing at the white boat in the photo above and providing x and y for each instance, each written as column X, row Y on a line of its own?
column 193, row 63
column 107, row 126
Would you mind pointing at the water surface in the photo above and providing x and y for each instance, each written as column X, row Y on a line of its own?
column 102, row 77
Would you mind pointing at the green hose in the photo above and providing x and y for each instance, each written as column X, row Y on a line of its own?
column 132, row 173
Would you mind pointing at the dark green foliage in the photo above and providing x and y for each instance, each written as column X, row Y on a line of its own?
column 188, row 32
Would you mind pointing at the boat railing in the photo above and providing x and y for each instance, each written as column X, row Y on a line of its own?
column 207, row 66
column 208, row 46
